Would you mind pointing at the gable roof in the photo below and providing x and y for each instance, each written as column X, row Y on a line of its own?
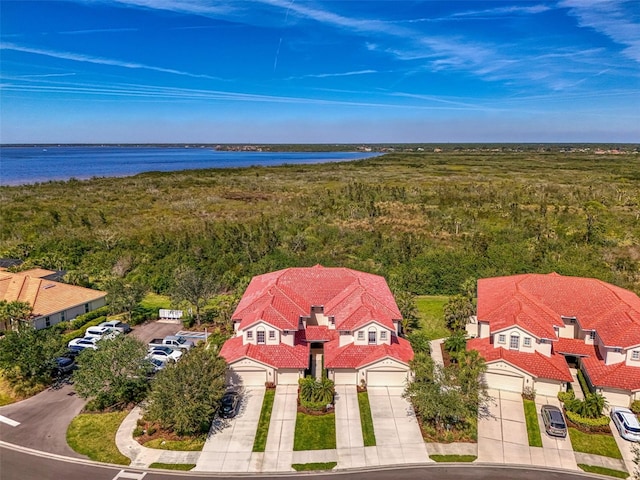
column 619, row 375
column 356, row 356
column 351, row 297
column 538, row 301
column 278, row 356
column 540, row 366
column 45, row 296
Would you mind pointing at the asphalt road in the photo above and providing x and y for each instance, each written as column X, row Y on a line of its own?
column 23, row 465
column 44, row 419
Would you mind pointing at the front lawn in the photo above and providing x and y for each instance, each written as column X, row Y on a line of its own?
column 533, row 427
column 194, row 444
column 94, row 435
column 260, row 442
column 594, row 443
column 306, row 467
column 315, row 432
column 174, row 466
column 366, row 421
column 431, row 315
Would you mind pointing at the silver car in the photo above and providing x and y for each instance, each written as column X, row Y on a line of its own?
column 554, row 422
column 626, row 423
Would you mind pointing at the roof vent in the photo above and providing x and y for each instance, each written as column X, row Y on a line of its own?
column 50, row 285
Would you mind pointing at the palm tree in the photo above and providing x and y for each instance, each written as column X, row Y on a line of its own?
column 592, row 405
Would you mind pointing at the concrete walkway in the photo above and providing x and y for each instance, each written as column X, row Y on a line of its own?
column 230, row 442
column 435, row 346
column 398, row 436
column 141, row 456
column 575, row 384
column 278, row 454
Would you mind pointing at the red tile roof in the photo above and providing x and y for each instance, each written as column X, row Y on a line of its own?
column 540, row 366
column 571, row 346
column 278, row 356
column 618, row 375
column 316, row 334
column 352, row 297
column 536, row 302
column 356, row 356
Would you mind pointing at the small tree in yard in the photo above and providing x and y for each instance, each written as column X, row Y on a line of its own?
column 185, row 396
column 193, row 287
column 115, row 374
column 15, row 313
column 456, row 344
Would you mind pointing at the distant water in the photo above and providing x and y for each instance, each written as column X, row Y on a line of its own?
column 24, row 165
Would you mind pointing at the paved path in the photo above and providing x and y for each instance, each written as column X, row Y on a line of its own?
column 398, row 437
column 349, row 441
column 435, row 347
column 230, row 442
column 278, row 452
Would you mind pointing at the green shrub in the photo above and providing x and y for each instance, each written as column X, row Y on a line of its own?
column 583, row 383
column 528, row 393
column 635, row 407
column 587, row 422
column 83, row 319
column 138, row 431
column 565, row 397
column 151, row 430
column 67, row 337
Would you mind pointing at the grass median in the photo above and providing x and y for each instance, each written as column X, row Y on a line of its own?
column 260, row 442
column 533, row 427
column 94, row 435
column 368, row 434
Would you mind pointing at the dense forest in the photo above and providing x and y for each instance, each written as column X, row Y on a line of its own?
column 427, row 221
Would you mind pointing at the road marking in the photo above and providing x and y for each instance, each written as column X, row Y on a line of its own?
column 132, row 475
column 8, row 421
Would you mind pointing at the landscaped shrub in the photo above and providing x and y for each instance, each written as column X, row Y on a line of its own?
column 67, row 337
column 588, row 424
column 316, row 394
column 567, row 396
column 583, row 383
column 528, row 393
column 83, row 319
column 635, row 407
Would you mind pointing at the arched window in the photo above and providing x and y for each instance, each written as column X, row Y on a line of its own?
column 514, row 341
column 260, row 335
column 372, row 336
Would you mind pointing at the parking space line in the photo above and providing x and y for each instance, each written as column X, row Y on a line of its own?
column 8, row 421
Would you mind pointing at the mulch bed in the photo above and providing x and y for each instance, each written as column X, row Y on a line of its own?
column 445, row 356
column 157, row 433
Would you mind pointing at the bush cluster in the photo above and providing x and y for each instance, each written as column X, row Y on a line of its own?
column 588, row 423
column 567, row 396
column 635, row 407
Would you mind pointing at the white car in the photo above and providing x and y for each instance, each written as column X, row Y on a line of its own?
column 79, row 344
column 165, row 353
column 626, row 423
column 101, row 332
column 116, row 325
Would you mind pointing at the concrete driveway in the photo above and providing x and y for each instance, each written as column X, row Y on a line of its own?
column 624, row 446
column 43, row 420
column 398, row 437
column 556, row 451
column 230, row 443
column 502, row 434
column 349, row 442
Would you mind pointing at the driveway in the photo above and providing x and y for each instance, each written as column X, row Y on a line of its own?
column 43, row 419
column 398, row 437
column 502, row 434
column 349, row 441
column 624, row 446
column 556, row 452
column 155, row 329
column 230, row 443
column 278, row 452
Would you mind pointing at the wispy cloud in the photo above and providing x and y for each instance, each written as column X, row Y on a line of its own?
column 77, row 57
column 329, row 75
column 47, row 75
column 500, row 11
column 619, row 21
column 97, row 30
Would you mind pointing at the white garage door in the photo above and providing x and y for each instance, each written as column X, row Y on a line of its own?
column 345, row 377
column 547, row 388
column 251, row 378
column 386, row 378
column 617, row 398
column 288, row 377
column 500, row 381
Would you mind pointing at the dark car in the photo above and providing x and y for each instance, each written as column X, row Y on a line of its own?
column 229, row 405
column 64, row 365
column 554, row 422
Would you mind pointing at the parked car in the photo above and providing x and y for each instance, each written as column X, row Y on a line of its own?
column 554, row 422
column 101, row 332
column 82, row 343
column 177, row 342
column 626, row 423
column 63, row 365
column 229, row 405
column 117, row 326
column 165, row 353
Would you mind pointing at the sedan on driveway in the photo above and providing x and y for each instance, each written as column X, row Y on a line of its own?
column 626, row 423
column 554, row 422
column 165, row 353
column 229, row 405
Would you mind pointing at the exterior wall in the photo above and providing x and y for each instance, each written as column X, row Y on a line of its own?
column 548, row 387
column 261, row 327
column 534, row 345
column 629, row 360
column 611, row 356
column 286, row 376
column 67, row 314
column 372, row 327
column 484, row 329
column 288, row 338
column 472, row 328
column 496, row 369
column 345, row 339
column 569, row 329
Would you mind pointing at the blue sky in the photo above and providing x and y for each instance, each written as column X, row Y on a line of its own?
column 315, row 71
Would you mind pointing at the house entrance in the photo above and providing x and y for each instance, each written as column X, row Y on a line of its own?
column 316, row 360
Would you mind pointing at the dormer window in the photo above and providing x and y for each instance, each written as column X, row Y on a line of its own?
column 360, row 335
column 514, row 342
column 261, row 337
column 383, row 335
column 372, row 337
column 592, row 335
column 272, row 334
column 249, row 335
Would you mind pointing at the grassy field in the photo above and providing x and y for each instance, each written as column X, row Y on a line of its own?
column 597, row 444
column 533, row 427
column 431, row 313
column 94, row 435
column 154, row 301
column 260, row 441
column 315, row 432
column 366, row 421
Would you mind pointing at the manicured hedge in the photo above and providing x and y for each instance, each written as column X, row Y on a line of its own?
column 587, row 422
column 67, row 337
